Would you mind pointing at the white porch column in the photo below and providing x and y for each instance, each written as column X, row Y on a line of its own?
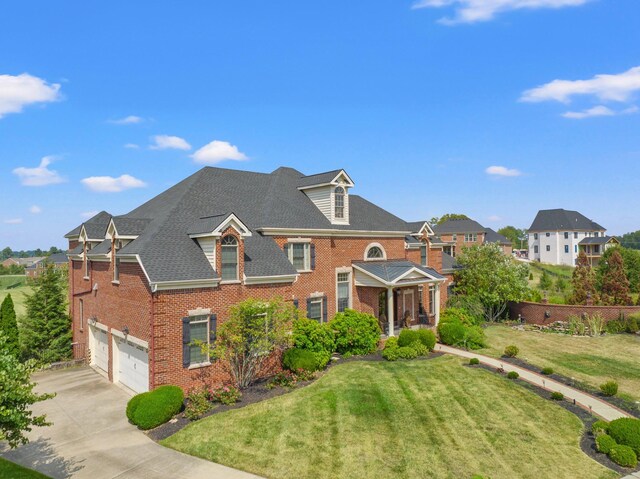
column 390, row 310
column 437, row 305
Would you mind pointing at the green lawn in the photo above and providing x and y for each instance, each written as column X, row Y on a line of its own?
column 417, row 419
column 10, row 470
column 17, row 294
column 590, row 360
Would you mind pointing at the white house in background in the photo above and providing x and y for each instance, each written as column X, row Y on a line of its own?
column 556, row 236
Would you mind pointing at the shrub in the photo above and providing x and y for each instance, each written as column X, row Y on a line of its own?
column 419, row 348
column 454, row 332
column 547, row 371
column 623, row 455
column 626, row 431
column 557, row 396
column 511, row 351
column 616, row 326
column 633, row 323
column 604, row 443
column 472, row 306
column 295, row 358
column 157, row 407
column 600, row 427
column 407, row 337
column 610, row 388
column 226, row 395
column 407, row 352
column 355, row 333
column 427, row 337
column 197, row 404
column 285, row 379
column 457, row 314
column 474, row 361
column 513, row 375
column 390, row 353
column 132, row 405
column 315, row 337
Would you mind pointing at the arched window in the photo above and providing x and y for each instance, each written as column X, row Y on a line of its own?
column 339, row 202
column 229, row 258
column 374, row 251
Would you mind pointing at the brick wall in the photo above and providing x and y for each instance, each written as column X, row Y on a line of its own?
column 536, row 313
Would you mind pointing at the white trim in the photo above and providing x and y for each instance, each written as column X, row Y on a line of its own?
column 230, row 221
column 374, row 245
column 333, row 182
column 268, row 231
column 199, row 312
column 428, row 278
column 348, row 271
column 298, row 240
column 426, row 226
column 97, row 325
column 184, row 284
column 130, row 339
column 285, row 278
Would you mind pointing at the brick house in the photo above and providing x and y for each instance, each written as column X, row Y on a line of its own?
column 456, row 234
column 58, row 260
column 143, row 286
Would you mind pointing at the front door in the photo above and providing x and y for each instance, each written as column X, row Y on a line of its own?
column 408, row 305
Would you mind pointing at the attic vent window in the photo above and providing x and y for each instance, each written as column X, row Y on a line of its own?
column 375, row 253
column 339, row 202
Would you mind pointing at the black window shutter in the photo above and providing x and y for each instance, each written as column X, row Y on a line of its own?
column 324, row 309
column 312, row 247
column 308, row 307
column 213, row 322
column 286, row 249
column 186, row 339
column 295, row 304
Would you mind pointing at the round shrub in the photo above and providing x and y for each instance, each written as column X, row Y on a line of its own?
column 355, row 332
column 296, row 358
column 626, row 431
column 315, row 337
column 157, row 407
column 610, row 388
column 600, row 427
column 557, row 396
column 474, row 361
column 547, row 371
column 451, row 332
column 471, row 305
column 406, row 352
column 511, row 351
column 391, row 342
column 604, row 443
column 457, row 314
column 419, row 348
column 390, row 354
column 513, row 375
column 427, row 337
column 407, row 337
column 132, row 405
column 454, row 332
column 623, row 455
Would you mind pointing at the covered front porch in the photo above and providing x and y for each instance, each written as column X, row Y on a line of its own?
column 408, row 294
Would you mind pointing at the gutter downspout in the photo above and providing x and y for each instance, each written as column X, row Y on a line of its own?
column 152, row 351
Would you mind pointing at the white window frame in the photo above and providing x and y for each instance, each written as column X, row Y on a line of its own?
column 343, row 195
column 116, row 271
column 317, row 300
column 307, row 254
column 237, row 247
column 203, row 318
column 548, row 248
column 470, row 237
column 349, row 281
column 369, row 247
column 424, row 248
column 81, row 308
column 432, row 300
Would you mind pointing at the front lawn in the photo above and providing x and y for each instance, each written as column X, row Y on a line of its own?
column 590, row 360
column 11, row 470
column 418, row 419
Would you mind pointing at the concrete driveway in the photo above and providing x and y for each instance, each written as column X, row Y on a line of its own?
column 91, row 437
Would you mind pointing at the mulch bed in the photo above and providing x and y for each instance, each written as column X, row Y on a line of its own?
column 259, row 391
column 588, row 441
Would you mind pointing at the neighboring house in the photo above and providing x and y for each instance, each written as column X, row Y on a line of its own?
column 594, row 247
column 455, row 234
column 505, row 243
column 26, row 262
column 58, row 260
column 556, row 236
column 145, row 285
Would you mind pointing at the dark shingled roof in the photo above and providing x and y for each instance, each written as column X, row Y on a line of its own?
column 563, row 220
column 100, row 249
column 207, row 224
column 391, row 270
column 449, row 263
column 494, row 237
column 317, row 179
column 598, row 240
column 126, row 226
column 458, row 226
column 96, row 226
column 57, row 258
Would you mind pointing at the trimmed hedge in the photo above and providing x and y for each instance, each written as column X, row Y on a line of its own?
column 425, row 337
column 511, row 351
column 315, row 337
column 623, row 455
column 610, row 388
column 626, row 431
column 547, row 371
column 355, row 333
column 474, row 361
column 407, row 352
column 557, row 396
column 296, row 358
column 604, row 443
column 151, row 409
column 513, row 375
column 600, row 427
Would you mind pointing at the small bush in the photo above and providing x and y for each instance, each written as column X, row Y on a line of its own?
column 457, row 315
column 513, row 375
column 633, row 323
column 157, row 407
column 407, row 337
column 295, row 358
column 132, row 405
column 407, row 352
column 427, row 337
column 419, row 348
column 604, row 443
column 474, row 361
column 600, row 427
column 623, row 455
column 355, row 332
column 616, row 326
column 390, row 354
column 197, row 404
column 472, row 306
column 626, row 431
column 610, row 388
column 454, row 332
column 285, row 379
column 315, row 337
column 511, row 351
column 226, row 395
column 557, row 396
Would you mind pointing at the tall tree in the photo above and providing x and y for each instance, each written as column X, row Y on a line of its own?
column 46, row 329
column 492, row 278
column 9, row 326
column 631, row 260
column 6, row 253
column 615, row 285
column 631, row 240
column 517, row 236
column 446, row 217
column 583, row 281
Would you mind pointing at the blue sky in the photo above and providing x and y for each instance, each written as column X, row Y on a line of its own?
column 416, row 100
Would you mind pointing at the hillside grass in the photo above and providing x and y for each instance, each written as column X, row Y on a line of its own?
column 17, row 293
column 417, row 419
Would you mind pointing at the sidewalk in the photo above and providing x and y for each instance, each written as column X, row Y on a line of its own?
column 587, row 401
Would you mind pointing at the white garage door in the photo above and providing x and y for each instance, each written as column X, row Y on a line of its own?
column 100, row 351
column 133, row 366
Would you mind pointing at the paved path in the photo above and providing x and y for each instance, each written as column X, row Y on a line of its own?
column 91, row 437
column 597, row 406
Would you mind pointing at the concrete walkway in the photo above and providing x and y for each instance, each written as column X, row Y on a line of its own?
column 91, row 437
column 598, row 407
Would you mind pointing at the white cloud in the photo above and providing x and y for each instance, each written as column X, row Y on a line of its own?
column 605, row 87
column 127, row 120
column 599, row 110
column 132, row 146
column 472, row 11
column 40, row 175
column 502, row 171
column 167, row 142
column 218, row 151
column 109, row 184
column 13, row 221
column 89, row 214
column 16, row 92
column 35, row 209
column 494, row 218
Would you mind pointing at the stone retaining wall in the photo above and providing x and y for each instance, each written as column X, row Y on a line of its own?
column 545, row 313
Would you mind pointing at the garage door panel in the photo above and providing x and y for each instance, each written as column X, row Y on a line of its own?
column 133, row 366
column 101, row 349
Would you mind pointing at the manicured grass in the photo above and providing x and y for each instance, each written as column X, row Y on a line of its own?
column 7, row 281
column 417, row 419
column 10, row 470
column 18, row 296
column 590, row 360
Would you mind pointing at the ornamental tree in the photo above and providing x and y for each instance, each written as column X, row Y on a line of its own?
column 583, row 281
column 492, row 278
column 631, row 261
column 545, row 281
column 9, row 326
column 615, row 285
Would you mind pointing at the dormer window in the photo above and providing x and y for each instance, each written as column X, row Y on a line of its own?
column 374, row 252
column 229, row 246
column 339, row 202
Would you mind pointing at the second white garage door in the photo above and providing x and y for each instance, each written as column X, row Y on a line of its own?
column 100, row 353
column 133, row 366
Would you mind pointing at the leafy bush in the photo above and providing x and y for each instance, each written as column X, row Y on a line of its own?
column 454, row 332
column 132, row 405
column 407, row 337
column 419, row 348
column 610, row 388
column 457, row 314
column 295, row 358
column 285, row 379
column 633, row 323
column 428, row 338
column 355, row 332
column 197, row 404
column 423, row 340
column 604, row 443
column 623, row 455
column 511, row 351
column 474, row 361
column 407, row 352
column 156, row 407
column 513, row 375
column 557, row 396
column 472, row 306
column 626, row 431
column 547, row 371
column 600, row 427
column 616, row 326
column 315, row 337
column 226, row 395
column 390, row 353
